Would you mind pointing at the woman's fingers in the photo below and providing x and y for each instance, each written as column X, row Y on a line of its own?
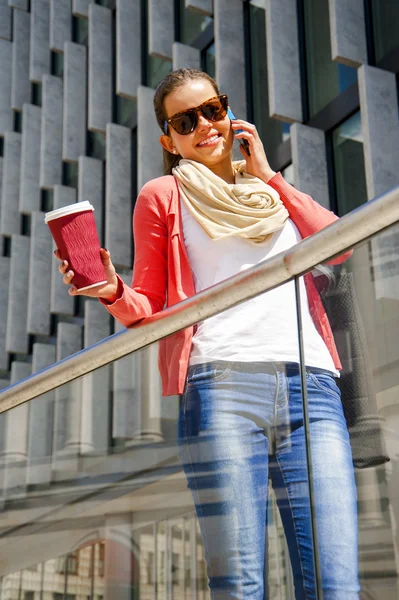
column 63, row 267
column 108, row 266
column 67, row 279
column 108, row 290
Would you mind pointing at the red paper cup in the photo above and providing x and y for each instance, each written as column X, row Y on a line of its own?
column 74, row 231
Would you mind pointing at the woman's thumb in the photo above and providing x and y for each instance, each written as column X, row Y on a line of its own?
column 106, row 260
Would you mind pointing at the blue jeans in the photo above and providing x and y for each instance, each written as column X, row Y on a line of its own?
column 240, row 425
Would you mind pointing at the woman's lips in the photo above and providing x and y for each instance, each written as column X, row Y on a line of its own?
column 209, row 141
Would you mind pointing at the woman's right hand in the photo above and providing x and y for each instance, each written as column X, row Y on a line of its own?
column 108, row 291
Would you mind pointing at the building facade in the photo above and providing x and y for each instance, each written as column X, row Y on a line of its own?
column 92, row 501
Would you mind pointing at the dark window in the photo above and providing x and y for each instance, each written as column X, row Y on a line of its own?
column 69, row 564
column 70, row 174
column 80, row 30
column 126, row 111
column 37, row 94
column 96, row 147
column 326, row 78
column 209, row 61
column 350, row 177
column 157, row 69
column 57, row 64
column 192, row 23
column 385, row 15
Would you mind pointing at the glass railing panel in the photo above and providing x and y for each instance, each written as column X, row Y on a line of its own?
column 354, row 417
column 95, row 502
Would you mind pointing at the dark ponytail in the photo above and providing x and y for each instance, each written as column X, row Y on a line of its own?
column 171, row 82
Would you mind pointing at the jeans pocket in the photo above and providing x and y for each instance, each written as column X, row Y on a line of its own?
column 326, row 383
column 206, row 373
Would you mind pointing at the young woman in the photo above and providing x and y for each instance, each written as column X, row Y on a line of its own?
column 241, row 420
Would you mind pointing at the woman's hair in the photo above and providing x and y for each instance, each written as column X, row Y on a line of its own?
column 169, row 84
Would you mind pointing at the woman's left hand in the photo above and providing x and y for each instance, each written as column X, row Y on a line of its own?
column 257, row 163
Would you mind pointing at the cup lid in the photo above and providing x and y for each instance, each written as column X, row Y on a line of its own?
column 68, row 210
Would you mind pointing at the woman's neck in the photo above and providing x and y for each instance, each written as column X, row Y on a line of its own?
column 224, row 170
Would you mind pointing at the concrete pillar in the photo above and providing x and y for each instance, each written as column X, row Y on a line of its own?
column 149, row 151
column 4, row 290
column 67, row 408
column 21, row 4
column 380, row 128
column 284, row 78
column 60, row 24
column 20, row 90
column 150, row 394
column 119, row 557
column 348, row 32
column 161, row 26
column 29, row 195
column 40, row 266
column 126, row 418
column 230, row 53
column 17, row 336
column 5, row 20
column 90, row 187
column 51, row 132
column 80, row 8
column 16, row 437
column 6, row 113
column 202, row 6
column 9, row 214
column 128, row 48
column 118, row 195
column 100, row 67
column 309, row 159
column 41, row 416
column 185, row 56
column 74, row 124
column 39, row 40
column 96, row 386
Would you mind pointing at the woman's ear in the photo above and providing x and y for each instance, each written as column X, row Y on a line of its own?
column 167, row 143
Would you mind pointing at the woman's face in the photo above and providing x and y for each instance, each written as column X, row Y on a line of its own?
column 209, row 143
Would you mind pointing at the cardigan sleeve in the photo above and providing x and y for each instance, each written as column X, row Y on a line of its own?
column 309, row 216
column 147, row 294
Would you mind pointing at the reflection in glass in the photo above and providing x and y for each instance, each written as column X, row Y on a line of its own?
column 121, row 520
column 192, row 23
column 157, row 69
column 126, row 111
column 362, row 300
column 326, row 79
column 385, row 14
column 96, row 147
column 209, row 60
column 350, row 177
column 80, row 30
column 272, row 131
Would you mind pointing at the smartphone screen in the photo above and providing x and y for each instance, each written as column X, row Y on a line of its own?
column 243, row 143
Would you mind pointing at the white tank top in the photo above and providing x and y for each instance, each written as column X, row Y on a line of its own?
column 263, row 329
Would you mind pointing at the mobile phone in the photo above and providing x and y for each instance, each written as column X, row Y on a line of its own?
column 243, row 143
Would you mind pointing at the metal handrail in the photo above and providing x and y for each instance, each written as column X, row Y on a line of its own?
column 353, row 228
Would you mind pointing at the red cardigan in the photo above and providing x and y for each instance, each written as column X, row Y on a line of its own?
column 162, row 274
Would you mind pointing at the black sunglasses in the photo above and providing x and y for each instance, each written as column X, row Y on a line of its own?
column 214, row 109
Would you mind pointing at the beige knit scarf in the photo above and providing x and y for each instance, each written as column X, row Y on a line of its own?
column 248, row 208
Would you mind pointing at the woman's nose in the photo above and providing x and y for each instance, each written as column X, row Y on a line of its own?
column 203, row 123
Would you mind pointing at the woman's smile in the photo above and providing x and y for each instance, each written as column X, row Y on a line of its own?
column 210, row 140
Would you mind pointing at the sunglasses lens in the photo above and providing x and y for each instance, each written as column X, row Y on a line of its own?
column 214, row 110
column 184, row 123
